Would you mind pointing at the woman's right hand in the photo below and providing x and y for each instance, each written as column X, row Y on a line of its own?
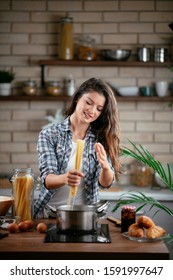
column 74, row 177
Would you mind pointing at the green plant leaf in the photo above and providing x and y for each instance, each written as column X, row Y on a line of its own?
column 133, row 198
column 142, row 155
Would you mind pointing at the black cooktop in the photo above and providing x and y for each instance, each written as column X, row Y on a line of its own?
column 100, row 235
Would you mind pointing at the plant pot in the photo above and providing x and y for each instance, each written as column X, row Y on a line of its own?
column 5, row 89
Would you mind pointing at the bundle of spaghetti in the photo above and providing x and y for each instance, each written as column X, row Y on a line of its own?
column 22, row 196
column 79, row 153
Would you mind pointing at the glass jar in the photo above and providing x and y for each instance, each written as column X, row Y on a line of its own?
column 23, row 183
column 128, row 217
column 125, row 177
column 142, row 175
column 30, row 87
column 86, row 50
column 54, row 88
column 66, row 47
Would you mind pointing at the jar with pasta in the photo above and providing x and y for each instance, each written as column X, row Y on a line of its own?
column 23, row 186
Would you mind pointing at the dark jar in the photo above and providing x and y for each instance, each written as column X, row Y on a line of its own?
column 128, row 217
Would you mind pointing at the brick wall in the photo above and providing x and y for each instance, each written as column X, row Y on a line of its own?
column 29, row 31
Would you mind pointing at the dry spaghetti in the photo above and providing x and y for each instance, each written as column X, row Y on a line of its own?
column 22, row 188
column 79, row 153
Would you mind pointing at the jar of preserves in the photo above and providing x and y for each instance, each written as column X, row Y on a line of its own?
column 23, row 182
column 30, row 87
column 66, row 47
column 128, row 217
column 86, row 50
column 54, row 88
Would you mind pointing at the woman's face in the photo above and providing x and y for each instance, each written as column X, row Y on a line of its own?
column 90, row 106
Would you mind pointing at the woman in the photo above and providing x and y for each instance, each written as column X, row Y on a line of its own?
column 93, row 117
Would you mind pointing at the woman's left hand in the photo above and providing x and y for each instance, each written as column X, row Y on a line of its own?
column 101, row 156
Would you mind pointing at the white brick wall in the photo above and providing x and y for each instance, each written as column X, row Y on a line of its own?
column 29, row 31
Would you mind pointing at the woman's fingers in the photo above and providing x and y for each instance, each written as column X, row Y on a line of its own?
column 74, row 177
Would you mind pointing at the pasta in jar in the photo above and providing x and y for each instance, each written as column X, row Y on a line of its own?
column 23, row 193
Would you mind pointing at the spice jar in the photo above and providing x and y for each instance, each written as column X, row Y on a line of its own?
column 54, row 88
column 66, row 47
column 128, row 217
column 30, row 87
column 86, row 50
column 23, row 182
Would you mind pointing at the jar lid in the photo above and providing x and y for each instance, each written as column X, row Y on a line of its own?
column 66, row 20
column 128, row 207
column 53, row 83
column 30, row 83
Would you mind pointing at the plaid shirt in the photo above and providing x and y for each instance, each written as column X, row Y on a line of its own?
column 54, row 149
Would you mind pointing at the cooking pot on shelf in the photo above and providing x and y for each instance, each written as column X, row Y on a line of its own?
column 80, row 217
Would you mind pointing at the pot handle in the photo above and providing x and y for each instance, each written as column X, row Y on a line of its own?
column 103, row 206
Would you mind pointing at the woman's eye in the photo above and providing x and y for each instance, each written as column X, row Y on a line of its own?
column 89, row 103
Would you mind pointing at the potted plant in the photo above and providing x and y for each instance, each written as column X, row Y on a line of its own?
column 6, row 77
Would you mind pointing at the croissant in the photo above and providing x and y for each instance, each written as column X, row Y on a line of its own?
column 135, row 230
column 146, row 222
column 155, row 232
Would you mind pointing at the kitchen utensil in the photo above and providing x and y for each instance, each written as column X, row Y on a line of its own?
column 5, row 203
column 146, row 91
column 144, row 54
column 119, row 54
column 128, row 91
column 79, row 217
column 162, row 88
column 160, row 54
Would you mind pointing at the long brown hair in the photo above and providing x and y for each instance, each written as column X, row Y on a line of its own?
column 106, row 127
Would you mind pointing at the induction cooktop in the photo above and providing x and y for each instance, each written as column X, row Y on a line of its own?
column 100, row 235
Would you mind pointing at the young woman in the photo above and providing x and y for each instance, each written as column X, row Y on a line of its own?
column 93, row 117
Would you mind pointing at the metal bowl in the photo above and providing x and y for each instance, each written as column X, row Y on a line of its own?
column 119, row 54
column 5, row 203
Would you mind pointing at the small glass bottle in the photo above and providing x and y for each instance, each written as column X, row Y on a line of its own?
column 66, row 47
column 70, row 85
column 128, row 217
column 23, row 182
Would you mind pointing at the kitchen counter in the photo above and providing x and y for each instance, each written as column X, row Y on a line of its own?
column 115, row 192
column 30, row 245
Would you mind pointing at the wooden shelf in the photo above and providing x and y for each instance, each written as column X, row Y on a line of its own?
column 66, row 98
column 107, row 63
column 96, row 63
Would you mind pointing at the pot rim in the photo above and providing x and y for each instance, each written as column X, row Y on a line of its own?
column 77, row 208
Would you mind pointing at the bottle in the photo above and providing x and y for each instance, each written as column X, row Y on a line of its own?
column 128, row 217
column 70, row 84
column 23, row 182
column 66, row 48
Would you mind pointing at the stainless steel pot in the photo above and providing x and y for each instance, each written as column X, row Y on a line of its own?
column 144, row 54
column 80, row 217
